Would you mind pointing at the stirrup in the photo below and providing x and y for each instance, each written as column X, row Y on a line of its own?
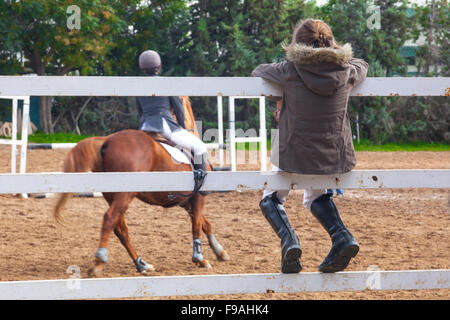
column 199, row 178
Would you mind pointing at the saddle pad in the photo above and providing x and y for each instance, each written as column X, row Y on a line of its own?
column 176, row 154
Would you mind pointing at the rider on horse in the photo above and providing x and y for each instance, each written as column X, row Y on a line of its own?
column 155, row 116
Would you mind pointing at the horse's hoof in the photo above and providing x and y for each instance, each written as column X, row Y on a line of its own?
column 223, row 256
column 203, row 264
column 95, row 272
column 142, row 266
column 149, row 269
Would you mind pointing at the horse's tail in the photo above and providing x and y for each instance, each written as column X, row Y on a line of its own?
column 84, row 157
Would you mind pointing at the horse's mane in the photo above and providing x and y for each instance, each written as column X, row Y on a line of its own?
column 189, row 120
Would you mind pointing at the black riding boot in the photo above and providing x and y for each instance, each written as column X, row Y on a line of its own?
column 290, row 247
column 344, row 246
column 200, row 171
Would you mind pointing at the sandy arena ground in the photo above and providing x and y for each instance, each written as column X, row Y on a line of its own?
column 406, row 229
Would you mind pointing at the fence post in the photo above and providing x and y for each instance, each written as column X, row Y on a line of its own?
column 263, row 133
column 232, row 133
column 220, row 128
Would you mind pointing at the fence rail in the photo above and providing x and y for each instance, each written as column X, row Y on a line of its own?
column 109, row 288
column 201, row 86
column 219, row 181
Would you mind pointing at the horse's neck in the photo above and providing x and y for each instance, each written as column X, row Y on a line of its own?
column 189, row 119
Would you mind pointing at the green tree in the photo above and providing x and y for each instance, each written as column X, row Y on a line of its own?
column 39, row 31
column 380, row 47
column 349, row 20
column 433, row 19
column 230, row 38
column 156, row 25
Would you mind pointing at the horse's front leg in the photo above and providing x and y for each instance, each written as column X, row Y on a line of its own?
column 196, row 213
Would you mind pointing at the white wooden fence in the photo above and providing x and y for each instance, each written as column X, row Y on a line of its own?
column 111, row 288
column 23, row 142
column 219, row 181
column 200, row 86
column 170, row 181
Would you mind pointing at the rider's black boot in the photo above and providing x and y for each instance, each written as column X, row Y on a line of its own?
column 291, row 252
column 344, row 246
column 200, row 171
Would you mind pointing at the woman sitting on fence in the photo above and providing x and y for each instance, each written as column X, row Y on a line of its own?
column 314, row 135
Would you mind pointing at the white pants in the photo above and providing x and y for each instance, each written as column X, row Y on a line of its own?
column 309, row 195
column 184, row 139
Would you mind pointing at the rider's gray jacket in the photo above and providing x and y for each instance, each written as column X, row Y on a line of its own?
column 153, row 109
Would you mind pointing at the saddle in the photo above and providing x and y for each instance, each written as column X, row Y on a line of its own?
column 198, row 176
column 170, row 149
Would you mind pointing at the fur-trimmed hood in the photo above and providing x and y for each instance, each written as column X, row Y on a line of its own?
column 323, row 70
column 303, row 54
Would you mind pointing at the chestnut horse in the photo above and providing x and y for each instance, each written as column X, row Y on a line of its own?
column 137, row 151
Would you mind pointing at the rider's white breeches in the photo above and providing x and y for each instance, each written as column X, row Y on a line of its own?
column 184, row 139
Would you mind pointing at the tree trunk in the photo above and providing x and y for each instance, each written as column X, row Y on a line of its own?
column 430, row 40
column 45, row 114
column 45, row 103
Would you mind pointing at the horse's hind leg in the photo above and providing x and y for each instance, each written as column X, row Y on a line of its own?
column 118, row 205
column 196, row 213
column 121, row 231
